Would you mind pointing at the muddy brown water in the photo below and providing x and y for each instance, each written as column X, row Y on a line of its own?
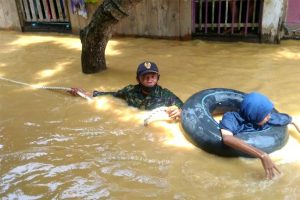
column 56, row 146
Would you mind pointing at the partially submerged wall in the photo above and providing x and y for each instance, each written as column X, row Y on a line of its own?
column 78, row 22
column 272, row 20
column 159, row 19
column 9, row 18
column 152, row 18
column 292, row 20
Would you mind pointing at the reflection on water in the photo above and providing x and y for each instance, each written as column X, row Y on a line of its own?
column 55, row 146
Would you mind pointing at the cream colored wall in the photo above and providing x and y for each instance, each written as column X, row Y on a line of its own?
column 9, row 18
column 273, row 15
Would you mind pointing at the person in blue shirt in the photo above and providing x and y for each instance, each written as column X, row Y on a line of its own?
column 255, row 114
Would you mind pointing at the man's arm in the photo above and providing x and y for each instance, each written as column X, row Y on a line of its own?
column 99, row 93
column 77, row 91
column 174, row 105
column 236, row 143
column 174, row 112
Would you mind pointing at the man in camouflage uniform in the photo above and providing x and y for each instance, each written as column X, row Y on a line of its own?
column 147, row 94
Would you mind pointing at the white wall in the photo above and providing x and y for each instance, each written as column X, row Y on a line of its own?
column 273, row 12
column 9, row 18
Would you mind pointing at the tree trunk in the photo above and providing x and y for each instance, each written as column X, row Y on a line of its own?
column 95, row 35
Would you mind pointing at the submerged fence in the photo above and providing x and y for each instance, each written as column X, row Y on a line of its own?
column 227, row 16
column 44, row 10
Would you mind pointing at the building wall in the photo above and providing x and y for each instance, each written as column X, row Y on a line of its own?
column 9, row 18
column 292, row 21
column 272, row 20
column 78, row 22
column 159, row 18
column 165, row 18
column 150, row 18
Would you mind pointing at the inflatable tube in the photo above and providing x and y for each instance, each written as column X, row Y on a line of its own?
column 198, row 123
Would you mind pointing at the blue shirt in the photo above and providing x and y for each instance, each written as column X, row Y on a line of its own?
column 233, row 122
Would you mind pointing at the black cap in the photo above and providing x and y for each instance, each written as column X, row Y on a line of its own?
column 146, row 67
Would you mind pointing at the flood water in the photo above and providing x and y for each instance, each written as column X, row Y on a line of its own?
column 56, row 146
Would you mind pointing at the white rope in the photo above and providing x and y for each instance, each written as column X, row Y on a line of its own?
column 46, row 87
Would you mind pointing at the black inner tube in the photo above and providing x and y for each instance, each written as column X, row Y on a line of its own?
column 198, row 122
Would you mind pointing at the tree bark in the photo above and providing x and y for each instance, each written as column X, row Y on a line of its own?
column 95, row 35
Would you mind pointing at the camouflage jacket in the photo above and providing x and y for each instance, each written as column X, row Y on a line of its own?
column 133, row 95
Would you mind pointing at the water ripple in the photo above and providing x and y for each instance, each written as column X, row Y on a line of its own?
column 32, row 124
column 56, row 138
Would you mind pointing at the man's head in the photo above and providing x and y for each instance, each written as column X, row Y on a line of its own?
column 256, row 108
column 147, row 74
column 145, row 68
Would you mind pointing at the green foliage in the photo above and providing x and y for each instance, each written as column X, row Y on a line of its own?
column 91, row 1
